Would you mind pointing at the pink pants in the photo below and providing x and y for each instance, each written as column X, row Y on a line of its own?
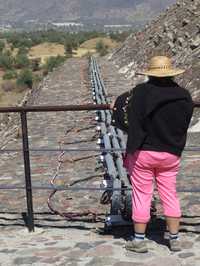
column 143, row 167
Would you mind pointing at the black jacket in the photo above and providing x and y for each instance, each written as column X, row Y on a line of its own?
column 159, row 113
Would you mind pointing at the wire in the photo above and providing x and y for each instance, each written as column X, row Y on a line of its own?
column 100, row 150
column 69, row 215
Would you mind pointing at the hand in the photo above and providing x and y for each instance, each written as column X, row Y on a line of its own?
column 112, row 105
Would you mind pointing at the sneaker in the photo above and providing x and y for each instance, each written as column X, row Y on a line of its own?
column 174, row 245
column 136, row 246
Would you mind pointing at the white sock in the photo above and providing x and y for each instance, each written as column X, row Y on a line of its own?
column 173, row 236
column 139, row 236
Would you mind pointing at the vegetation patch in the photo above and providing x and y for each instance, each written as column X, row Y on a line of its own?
column 25, row 57
column 81, row 52
column 46, row 50
column 107, row 41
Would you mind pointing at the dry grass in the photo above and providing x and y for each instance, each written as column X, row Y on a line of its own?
column 81, row 52
column 89, row 47
column 15, row 51
column 43, row 51
column 1, row 73
column 11, row 98
column 8, row 48
column 91, row 44
column 1, row 77
column 46, row 50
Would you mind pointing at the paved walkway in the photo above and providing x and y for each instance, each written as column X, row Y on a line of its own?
column 81, row 242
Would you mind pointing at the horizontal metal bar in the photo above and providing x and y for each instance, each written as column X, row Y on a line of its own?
column 191, row 148
column 197, row 104
column 60, row 188
column 67, row 150
column 59, row 108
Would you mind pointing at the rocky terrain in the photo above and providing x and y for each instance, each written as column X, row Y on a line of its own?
column 115, row 11
column 175, row 33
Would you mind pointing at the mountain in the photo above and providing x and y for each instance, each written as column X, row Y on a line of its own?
column 102, row 11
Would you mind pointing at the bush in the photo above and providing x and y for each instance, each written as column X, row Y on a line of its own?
column 6, row 61
column 120, row 37
column 8, row 52
column 53, row 62
column 25, row 78
column 22, row 61
column 2, row 46
column 19, row 40
column 37, row 78
column 68, row 49
column 22, row 50
column 101, row 48
column 35, row 64
column 11, row 74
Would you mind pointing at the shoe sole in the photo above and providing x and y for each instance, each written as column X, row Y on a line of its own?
column 175, row 250
column 137, row 250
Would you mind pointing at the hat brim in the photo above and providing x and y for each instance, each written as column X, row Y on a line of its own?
column 162, row 73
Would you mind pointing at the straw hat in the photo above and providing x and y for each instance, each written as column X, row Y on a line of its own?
column 161, row 66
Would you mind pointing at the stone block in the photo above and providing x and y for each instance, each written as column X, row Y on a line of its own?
column 195, row 42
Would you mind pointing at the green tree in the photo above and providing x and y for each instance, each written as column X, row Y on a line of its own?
column 53, row 62
column 23, row 50
column 18, row 41
column 21, row 61
column 8, row 52
column 120, row 37
column 25, row 78
column 10, row 74
column 6, row 61
column 2, row 46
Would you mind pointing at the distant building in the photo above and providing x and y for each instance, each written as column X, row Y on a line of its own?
column 117, row 28
column 67, row 24
column 5, row 27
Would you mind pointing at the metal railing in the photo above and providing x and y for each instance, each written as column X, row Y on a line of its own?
column 25, row 146
column 111, row 142
column 26, row 151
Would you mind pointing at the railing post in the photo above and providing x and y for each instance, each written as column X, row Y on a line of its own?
column 27, row 171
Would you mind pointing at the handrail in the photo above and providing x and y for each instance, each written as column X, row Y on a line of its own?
column 23, row 110
column 62, row 108
column 57, row 108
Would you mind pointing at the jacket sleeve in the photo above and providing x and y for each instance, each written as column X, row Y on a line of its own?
column 136, row 120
